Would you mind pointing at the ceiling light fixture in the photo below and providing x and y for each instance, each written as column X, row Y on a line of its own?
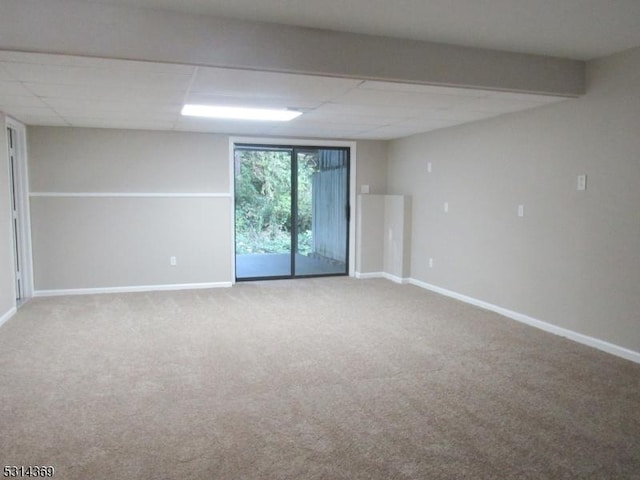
column 235, row 113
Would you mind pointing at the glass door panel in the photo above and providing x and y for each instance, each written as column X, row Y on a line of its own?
column 321, row 211
column 263, row 212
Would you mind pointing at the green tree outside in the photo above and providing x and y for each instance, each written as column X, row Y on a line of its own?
column 263, row 201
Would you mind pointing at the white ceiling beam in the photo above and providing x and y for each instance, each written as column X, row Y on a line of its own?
column 83, row 28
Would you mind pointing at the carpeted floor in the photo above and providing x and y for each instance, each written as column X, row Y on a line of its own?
column 308, row 379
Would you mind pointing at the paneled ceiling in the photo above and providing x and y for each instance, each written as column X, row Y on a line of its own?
column 42, row 89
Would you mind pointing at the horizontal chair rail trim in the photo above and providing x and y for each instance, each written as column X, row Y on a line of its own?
column 129, row 289
column 130, row 194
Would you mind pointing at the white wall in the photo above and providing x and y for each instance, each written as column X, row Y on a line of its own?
column 370, row 234
column 573, row 260
column 7, row 280
column 117, row 240
column 397, row 240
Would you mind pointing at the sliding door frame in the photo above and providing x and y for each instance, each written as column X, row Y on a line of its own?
column 23, row 209
column 300, row 144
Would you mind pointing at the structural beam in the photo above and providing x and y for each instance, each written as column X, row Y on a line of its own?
column 83, row 28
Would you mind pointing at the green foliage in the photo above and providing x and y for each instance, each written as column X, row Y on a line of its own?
column 263, row 201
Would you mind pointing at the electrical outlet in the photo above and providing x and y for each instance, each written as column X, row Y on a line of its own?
column 582, row 183
column 173, row 261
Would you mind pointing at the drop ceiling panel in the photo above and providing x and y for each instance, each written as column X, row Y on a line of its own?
column 374, row 135
column 4, row 75
column 224, row 126
column 43, row 121
column 35, row 115
column 19, row 101
column 390, row 110
column 244, row 83
column 317, row 116
column 256, row 102
column 308, row 125
column 14, row 88
column 458, row 114
column 119, row 123
column 400, row 99
column 425, row 124
column 33, row 111
column 111, row 93
column 99, row 106
column 320, row 130
column 77, row 114
column 393, row 131
column 68, row 75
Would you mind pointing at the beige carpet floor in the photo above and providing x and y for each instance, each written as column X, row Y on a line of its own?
column 309, row 379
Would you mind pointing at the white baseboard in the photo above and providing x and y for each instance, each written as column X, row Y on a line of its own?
column 12, row 311
column 548, row 327
column 138, row 288
column 395, row 279
column 388, row 276
column 363, row 276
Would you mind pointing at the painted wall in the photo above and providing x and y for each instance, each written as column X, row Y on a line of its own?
column 119, row 240
column 372, row 166
column 573, row 260
column 7, row 283
column 94, row 224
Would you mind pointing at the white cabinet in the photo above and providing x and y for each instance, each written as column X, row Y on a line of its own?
column 384, row 236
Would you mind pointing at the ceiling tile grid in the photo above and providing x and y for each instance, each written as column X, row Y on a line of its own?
column 40, row 89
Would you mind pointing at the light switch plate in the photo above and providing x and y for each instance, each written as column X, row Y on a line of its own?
column 364, row 188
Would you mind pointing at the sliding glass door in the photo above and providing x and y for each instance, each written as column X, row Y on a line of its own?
column 291, row 211
column 321, row 211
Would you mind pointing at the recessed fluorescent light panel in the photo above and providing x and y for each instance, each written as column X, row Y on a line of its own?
column 235, row 113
